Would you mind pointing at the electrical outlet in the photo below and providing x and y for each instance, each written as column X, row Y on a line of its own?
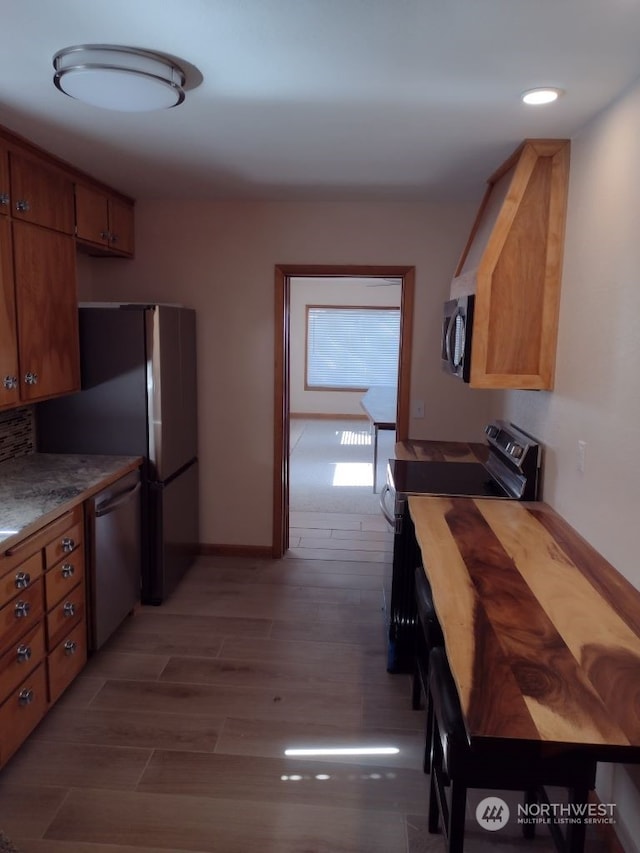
column 418, row 409
column 582, row 451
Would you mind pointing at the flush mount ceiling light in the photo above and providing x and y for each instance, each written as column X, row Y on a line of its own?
column 122, row 78
column 535, row 97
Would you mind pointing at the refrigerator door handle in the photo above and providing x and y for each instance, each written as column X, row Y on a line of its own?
column 113, row 503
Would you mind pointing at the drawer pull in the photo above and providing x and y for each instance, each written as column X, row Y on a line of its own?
column 70, row 647
column 23, row 653
column 21, row 609
column 22, row 580
column 68, row 544
column 67, row 570
column 23, row 206
column 69, row 609
column 26, row 696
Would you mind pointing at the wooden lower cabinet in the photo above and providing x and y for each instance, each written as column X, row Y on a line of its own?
column 22, row 711
column 43, row 626
column 67, row 660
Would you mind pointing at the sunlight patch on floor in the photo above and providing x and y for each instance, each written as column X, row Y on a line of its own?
column 349, row 436
column 353, row 474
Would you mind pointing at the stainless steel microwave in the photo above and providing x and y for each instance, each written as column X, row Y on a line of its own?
column 457, row 325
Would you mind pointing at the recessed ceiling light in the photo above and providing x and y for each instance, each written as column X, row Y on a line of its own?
column 541, row 96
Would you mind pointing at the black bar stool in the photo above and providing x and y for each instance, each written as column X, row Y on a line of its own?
column 428, row 637
column 505, row 764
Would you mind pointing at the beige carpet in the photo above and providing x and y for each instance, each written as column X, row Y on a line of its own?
column 332, row 466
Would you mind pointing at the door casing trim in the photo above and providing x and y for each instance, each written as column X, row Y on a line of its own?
column 283, row 275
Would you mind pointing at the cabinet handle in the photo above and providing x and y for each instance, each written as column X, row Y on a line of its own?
column 23, row 206
column 21, row 609
column 10, row 382
column 31, row 378
column 23, row 653
column 26, row 696
column 113, row 238
column 4, row 199
column 105, row 235
column 68, row 544
column 22, row 580
column 69, row 609
column 70, row 647
column 67, row 570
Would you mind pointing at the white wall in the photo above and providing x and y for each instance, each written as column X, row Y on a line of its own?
column 219, row 258
column 597, row 393
column 329, row 291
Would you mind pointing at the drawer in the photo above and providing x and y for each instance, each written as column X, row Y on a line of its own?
column 60, row 580
column 22, row 712
column 67, row 613
column 20, row 577
column 16, row 663
column 20, row 614
column 63, row 544
column 67, row 660
column 18, row 553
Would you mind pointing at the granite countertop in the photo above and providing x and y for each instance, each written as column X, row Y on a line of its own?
column 36, row 488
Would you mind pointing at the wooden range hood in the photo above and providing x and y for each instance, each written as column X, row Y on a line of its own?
column 513, row 264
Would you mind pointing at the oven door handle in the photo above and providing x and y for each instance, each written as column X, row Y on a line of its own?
column 390, row 517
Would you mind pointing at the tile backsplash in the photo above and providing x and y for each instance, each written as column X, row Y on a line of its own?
column 17, row 433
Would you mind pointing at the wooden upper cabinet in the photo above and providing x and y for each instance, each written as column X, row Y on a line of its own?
column 9, row 383
column 5, row 189
column 121, row 227
column 40, row 193
column 513, row 264
column 47, row 311
column 104, row 222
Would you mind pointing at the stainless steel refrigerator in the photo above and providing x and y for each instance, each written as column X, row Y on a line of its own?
column 138, row 367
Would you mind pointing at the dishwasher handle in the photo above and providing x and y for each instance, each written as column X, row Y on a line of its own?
column 386, row 489
column 117, row 500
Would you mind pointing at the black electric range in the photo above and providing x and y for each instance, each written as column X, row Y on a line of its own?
column 511, row 472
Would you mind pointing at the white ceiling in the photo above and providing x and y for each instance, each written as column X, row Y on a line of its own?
column 321, row 99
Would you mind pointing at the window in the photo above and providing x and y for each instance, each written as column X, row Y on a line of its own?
column 351, row 348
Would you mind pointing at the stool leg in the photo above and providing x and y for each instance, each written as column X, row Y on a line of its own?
column 416, row 690
column 435, row 781
column 457, row 812
column 576, row 832
column 434, row 806
column 529, row 829
column 428, row 740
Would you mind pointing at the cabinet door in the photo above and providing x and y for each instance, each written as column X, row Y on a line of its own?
column 40, row 194
column 92, row 216
column 9, row 385
column 47, row 310
column 5, row 199
column 22, row 712
column 121, row 227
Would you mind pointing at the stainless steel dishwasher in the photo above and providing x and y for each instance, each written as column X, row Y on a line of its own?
column 114, row 527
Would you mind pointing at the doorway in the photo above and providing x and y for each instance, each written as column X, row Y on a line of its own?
column 282, row 385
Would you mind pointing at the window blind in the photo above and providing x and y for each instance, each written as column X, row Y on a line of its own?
column 352, row 347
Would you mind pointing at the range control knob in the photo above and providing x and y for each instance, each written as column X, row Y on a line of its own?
column 514, row 449
column 491, row 430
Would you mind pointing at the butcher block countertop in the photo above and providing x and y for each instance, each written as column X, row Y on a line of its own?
column 440, row 451
column 541, row 632
column 36, row 488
